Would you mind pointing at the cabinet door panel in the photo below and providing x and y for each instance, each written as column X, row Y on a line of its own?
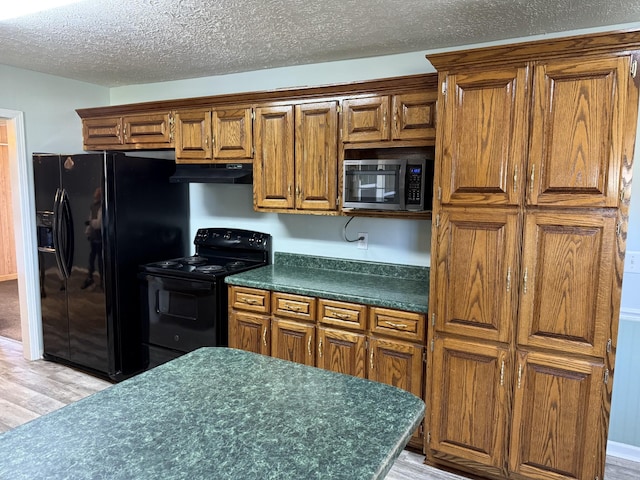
column 556, row 426
column 342, row 352
column 193, row 136
column 250, row 332
column 470, row 404
column 102, row 131
column 316, row 161
column 484, row 137
column 568, row 262
column 273, row 166
column 365, row 119
column 232, row 133
column 396, row 363
column 476, row 272
column 293, row 341
column 150, row 128
column 414, row 116
column 577, row 132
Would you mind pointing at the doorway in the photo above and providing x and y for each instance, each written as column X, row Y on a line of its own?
column 19, row 177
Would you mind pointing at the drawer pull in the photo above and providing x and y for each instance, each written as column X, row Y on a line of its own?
column 292, row 308
column 396, row 325
column 309, row 346
column 371, row 359
column 320, row 348
column 342, row 316
column 249, row 301
column 264, row 336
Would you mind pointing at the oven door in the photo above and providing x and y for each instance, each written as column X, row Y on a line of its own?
column 182, row 314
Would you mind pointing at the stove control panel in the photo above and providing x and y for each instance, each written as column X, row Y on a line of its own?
column 232, row 238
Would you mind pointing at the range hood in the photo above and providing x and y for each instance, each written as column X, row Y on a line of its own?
column 241, row 173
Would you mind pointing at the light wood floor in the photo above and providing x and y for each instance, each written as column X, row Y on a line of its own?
column 30, row 389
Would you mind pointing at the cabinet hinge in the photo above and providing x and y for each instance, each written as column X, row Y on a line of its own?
column 609, row 346
column 253, row 115
column 432, row 344
column 524, row 280
column 424, row 357
column 621, row 195
column 439, row 194
column 519, row 375
column 437, row 220
column 633, row 68
column 444, row 87
column 502, row 374
column 433, row 319
column 618, row 229
column 421, row 429
column 509, row 279
column 339, row 109
column 429, row 437
column 606, row 376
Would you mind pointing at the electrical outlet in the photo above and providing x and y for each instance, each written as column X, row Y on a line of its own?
column 363, row 241
column 632, row 262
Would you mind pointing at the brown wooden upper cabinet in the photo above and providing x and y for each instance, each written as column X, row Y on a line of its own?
column 216, row 135
column 408, row 116
column 296, row 162
column 574, row 139
column 144, row 131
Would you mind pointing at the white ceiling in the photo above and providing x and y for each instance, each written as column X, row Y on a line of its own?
column 125, row 42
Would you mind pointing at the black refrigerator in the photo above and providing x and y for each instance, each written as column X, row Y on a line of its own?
column 99, row 216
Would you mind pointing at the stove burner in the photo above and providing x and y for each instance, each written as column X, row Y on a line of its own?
column 209, row 269
column 168, row 264
column 235, row 264
column 194, row 260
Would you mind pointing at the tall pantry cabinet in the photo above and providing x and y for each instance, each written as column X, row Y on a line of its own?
column 533, row 173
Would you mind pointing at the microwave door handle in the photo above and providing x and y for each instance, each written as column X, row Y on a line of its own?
column 402, row 185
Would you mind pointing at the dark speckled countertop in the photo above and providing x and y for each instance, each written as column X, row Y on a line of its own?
column 402, row 287
column 224, row 414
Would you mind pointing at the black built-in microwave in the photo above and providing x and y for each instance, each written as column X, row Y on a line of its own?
column 386, row 184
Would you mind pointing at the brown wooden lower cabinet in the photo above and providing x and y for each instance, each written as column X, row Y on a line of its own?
column 380, row 344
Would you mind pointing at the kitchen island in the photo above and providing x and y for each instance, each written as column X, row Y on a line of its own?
column 220, row 413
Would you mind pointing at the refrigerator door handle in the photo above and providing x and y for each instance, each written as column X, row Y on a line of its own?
column 56, row 231
column 66, row 221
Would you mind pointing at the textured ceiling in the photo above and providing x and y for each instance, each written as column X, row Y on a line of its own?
column 125, row 42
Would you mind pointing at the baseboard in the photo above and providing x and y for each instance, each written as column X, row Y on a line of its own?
column 622, row 450
column 8, row 276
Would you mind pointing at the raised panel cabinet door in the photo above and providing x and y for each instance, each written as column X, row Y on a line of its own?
column 483, row 133
column 577, row 132
column 102, row 131
column 250, row 332
column 567, row 279
column 293, row 341
column 148, row 128
column 469, row 403
column 232, row 133
column 557, row 426
column 316, row 156
column 476, row 272
column 273, row 166
column 414, row 116
column 341, row 351
column 193, row 136
column 365, row 119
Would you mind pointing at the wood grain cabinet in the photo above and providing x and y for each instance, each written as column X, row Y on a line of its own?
column 218, row 135
column 144, row 131
column 531, row 206
column 296, row 162
column 406, row 116
column 381, row 344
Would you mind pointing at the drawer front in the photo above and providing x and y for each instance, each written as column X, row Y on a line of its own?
column 293, row 306
column 251, row 299
column 397, row 323
column 342, row 314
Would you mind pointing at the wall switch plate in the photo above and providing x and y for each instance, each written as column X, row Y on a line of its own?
column 363, row 241
column 632, row 262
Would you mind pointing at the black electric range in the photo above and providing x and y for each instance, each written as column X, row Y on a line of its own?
column 184, row 300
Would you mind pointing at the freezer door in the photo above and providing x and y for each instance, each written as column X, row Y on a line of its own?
column 53, row 285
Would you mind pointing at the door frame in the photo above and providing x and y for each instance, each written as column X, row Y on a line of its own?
column 22, row 195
